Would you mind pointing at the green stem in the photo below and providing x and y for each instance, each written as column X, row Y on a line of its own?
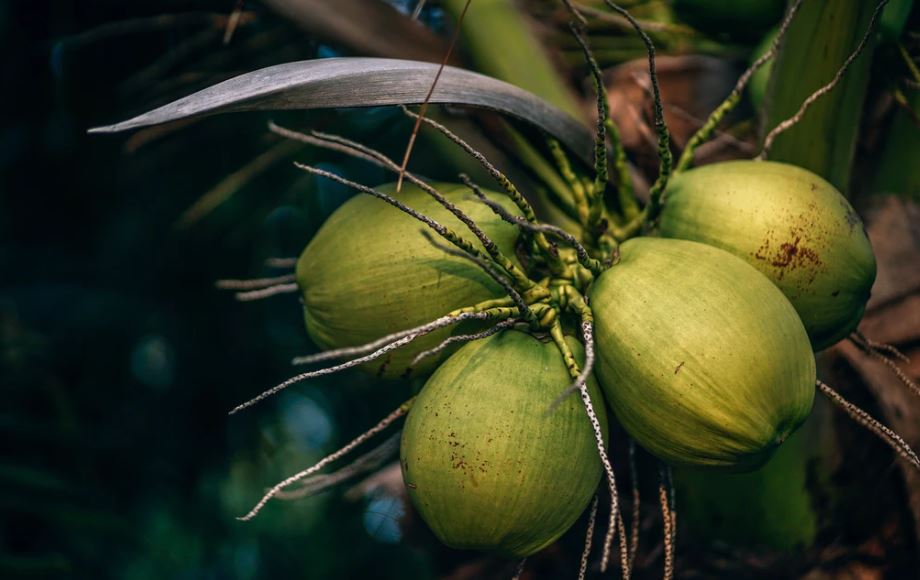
column 544, row 171
column 824, row 140
column 631, row 228
column 578, row 193
column 483, row 306
column 705, row 132
column 568, row 357
column 599, row 187
column 715, row 118
column 661, row 127
column 628, row 204
column 909, row 61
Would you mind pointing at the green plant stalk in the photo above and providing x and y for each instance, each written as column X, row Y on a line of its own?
column 597, row 210
column 628, row 204
column 909, row 63
column 897, row 171
column 818, row 42
column 578, row 191
column 772, row 506
column 568, row 357
column 500, row 41
column 706, row 131
column 534, row 161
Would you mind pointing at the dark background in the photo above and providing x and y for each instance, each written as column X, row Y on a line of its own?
column 119, row 359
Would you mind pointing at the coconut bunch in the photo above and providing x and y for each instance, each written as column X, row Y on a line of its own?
column 694, row 319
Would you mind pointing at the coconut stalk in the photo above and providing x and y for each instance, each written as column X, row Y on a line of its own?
column 772, row 506
column 818, row 42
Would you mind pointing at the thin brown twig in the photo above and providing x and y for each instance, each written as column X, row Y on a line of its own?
column 891, row 438
column 881, row 346
column 874, row 350
column 519, row 571
column 437, row 76
column 664, row 498
column 589, row 539
column 462, row 338
column 358, row 150
column 267, row 292
column 363, row 464
column 634, row 521
column 404, row 340
column 233, row 21
column 253, row 283
column 276, row 262
column 358, row 350
column 615, row 526
column 383, row 424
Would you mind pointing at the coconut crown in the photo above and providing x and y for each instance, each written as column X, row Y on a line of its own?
column 790, row 224
column 370, row 271
column 702, row 359
column 486, row 462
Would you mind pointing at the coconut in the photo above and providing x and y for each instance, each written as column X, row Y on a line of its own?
column 486, row 463
column 702, row 359
column 370, row 271
column 788, row 223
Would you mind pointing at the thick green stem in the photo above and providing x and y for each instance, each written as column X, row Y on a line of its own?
column 705, row 132
column 575, row 187
column 628, row 204
column 819, row 41
column 568, row 357
column 483, row 306
column 596, row 207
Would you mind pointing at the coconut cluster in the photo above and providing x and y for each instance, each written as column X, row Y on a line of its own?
column 699, row 337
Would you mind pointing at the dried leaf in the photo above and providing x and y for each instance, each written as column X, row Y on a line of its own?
column 893, row 316
column 365, row 82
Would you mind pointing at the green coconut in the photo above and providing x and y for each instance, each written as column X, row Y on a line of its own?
column 370, row 271
column 486, row 464
column 702, row 359
column 790, row 224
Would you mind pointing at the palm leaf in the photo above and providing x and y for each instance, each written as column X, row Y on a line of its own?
column 366, row 82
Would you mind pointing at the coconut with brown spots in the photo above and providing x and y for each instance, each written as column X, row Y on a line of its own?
column 488, row 461
column 790, row 224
